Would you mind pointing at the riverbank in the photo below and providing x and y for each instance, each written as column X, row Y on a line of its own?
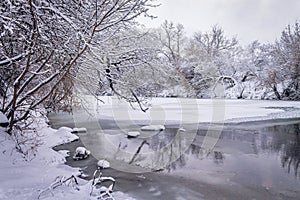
column 31, row 174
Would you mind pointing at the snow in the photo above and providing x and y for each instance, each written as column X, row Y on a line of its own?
column 179, row 110
column 103, row 163
column 153, row 128
column 181, row 129
column 57, row 137
column 64, row 153
column 10, row 60
column 79, row 130
column 81, row 150
column 81, row 153
column 133, row 134
column 3, row 120
column 23, row 179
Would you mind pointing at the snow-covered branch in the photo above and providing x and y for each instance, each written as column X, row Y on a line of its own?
column 44, row 42
column 8, row 61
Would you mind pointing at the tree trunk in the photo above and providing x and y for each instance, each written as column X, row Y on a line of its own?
column 276, row 92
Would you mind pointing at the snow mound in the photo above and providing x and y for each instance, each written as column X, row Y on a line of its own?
column 153, row 128
column 133, row 134
column 103, row 164
column 81, row 153
column 61, row 136
column 181, row 129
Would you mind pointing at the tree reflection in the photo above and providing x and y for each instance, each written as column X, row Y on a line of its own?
column 172, row 150
column 218, row 157
column 283, row 140
column 286, row 141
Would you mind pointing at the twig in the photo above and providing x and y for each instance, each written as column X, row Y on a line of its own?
column 138, row 101
column 59, row 181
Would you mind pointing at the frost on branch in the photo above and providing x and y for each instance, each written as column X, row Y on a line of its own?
column 41, row 46
column 59, row 182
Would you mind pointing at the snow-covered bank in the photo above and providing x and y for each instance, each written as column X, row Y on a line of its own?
column 21, row 179
column 170, row 110
column 27, row 178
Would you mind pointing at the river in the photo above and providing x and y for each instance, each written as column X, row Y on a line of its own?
column 253, row 160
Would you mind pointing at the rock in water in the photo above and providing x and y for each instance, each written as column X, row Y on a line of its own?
column 103, row 164
column 79, row 130
column 3, row 120
column 133, row 134
column 153, row 128
column 181, row 129
column 81, row 153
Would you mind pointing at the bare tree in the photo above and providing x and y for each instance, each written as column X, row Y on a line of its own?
column 215, row 41
column 42, row 43
column 171, row 38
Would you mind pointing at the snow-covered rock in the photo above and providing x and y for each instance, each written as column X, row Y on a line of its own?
column 153, row 128
column 133, row 134
column 79, row 130
column 103, row 164
column 81, row 153
column 3, row 120
column 181, row 129
column 61, row 136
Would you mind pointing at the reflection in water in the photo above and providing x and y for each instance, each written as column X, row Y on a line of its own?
column 171, row 149
column 285, row 141
column 218, row 157
column 281, row 142
column 259, row 164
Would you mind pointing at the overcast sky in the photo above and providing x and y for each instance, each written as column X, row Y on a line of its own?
column 249, row 20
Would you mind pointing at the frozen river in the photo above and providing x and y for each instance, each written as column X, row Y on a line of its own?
column 244, row 159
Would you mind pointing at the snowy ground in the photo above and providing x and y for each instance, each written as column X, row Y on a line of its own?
column 174, row 110
column 29, row 177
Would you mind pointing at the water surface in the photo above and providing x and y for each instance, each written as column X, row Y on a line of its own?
column 250, row 161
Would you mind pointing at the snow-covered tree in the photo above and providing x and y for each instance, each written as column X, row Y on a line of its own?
column 251, row 71
column 127, row 66
column 275, row 67
column 171, row 37
column 172, row 46
column 211, row 57
column 286, row 55
column 42, row 43
column 215, row 42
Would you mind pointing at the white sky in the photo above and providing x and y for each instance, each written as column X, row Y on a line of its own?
column 249, row 20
